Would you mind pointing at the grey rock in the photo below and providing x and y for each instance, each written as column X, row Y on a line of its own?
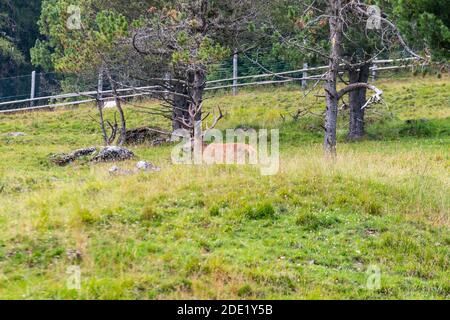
column 114, row 169
column 146, row 135
column 16, row 134
column 146, row 166
column 143, row 165
column 74, row 254
column 112, row 154
column 64, row 159
column 159, row 142
column 84, row 152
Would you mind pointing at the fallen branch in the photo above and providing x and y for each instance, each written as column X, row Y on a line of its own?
column 376, row 98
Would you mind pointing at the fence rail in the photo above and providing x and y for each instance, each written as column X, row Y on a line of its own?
column 210, row 86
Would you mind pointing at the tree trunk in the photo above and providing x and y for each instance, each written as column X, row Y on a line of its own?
column 331, row 78
column 183, row 106
column 197, row 93
column 180, row 106
column 123, row 129
column 357, row 99
column 118, row 101
column 198, row 87
column 102, row 122
column 100, row 105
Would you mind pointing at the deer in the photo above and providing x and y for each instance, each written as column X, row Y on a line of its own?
column 220, row 153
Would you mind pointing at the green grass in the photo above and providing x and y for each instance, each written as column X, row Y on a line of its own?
column 310, row 232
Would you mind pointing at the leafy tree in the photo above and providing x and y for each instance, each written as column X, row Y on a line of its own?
column 18, row 31
column 335, row 31
column 426, row 25
column 10, row 55
column 86, row 49
column 73, row 49
column 190, row 38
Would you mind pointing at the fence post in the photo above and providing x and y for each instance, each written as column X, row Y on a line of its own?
column 235, row 73
column 167, row 83
column 374, row 71
column 304, row 76
column 33, row 88
column 100, row 86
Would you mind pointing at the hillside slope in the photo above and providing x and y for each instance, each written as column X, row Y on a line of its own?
column 226, row 232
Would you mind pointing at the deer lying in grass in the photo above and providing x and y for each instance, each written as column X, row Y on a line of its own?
column 217, row 153
column 235, row 153
column 222, row 153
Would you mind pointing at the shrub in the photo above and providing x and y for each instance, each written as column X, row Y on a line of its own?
column 245, row 291
column 86, row 216
column 149, row 214
column 261, row 211
column 417, row 128
column 214, row 211
column 311, row 221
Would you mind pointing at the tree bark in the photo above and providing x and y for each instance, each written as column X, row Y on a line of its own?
column 117, row 99
column 123, row 128
column 100, row 105
column 332, row 97
column 189, row 109
column 180, row 106
column 197, row 93
column 198, row 87
column 357, row 100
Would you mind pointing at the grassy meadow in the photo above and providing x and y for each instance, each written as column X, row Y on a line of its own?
column 226, row 232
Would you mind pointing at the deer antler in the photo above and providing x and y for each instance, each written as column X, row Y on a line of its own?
column 114, row 127
column 216, row 119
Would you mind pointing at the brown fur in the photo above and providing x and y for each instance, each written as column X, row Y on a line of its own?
column 235, row 150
